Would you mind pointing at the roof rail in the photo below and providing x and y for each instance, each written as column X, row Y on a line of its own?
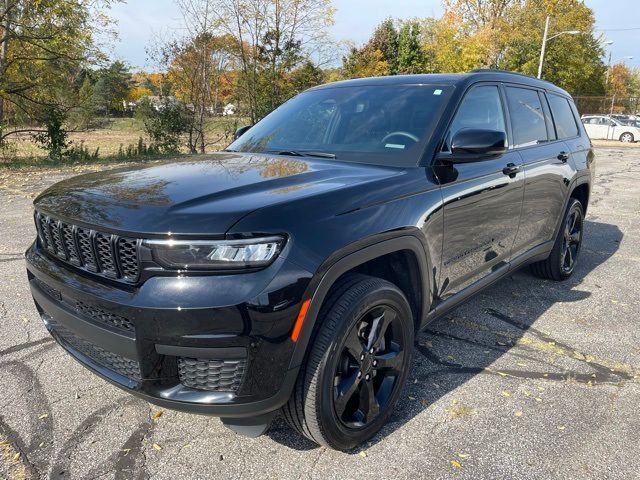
column 497, row 70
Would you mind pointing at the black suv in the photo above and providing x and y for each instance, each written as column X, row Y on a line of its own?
column 292, row 271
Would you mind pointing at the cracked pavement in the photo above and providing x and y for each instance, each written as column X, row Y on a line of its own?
column 530, row 379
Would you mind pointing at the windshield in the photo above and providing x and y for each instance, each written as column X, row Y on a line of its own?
column 387, row 125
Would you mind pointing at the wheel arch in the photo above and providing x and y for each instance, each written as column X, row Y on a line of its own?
column 580, row 188
column 405, row 250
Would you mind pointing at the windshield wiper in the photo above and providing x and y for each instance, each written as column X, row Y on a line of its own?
column 302, row 153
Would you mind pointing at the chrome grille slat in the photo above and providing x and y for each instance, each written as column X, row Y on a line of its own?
column 101, row 253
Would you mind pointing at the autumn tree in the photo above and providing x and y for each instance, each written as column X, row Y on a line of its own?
column 271, row 39
column 45, row 45
column 199, row 69
column 620, row 80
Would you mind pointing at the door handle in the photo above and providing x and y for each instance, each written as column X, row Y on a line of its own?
column 511, row 169
column 563, row 156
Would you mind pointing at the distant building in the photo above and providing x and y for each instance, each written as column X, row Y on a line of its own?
column 229, row 109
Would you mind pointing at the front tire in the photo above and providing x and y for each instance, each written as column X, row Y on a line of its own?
column 563, row 258
column 357, row 366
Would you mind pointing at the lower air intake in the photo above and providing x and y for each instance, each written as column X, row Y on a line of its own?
column 211, row 375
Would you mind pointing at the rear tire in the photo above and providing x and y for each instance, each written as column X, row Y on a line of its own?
column 563, row 258
column 357, row 366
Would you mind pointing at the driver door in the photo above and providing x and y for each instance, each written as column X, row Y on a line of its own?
column 482, row 199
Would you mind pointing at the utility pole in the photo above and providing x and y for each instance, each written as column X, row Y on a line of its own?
column 546, row 38
column 544, row 45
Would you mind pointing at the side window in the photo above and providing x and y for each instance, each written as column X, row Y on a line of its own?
column 527, row 116
column 481, row 108
column 566, row 126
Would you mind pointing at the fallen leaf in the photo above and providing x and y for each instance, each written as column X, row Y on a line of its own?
column 518, row 413
column 520, row 364
column 363, row 454
column 157, row 447
column 157, row 414
column 16, row 456
column 412, row 398
column 44, row 415
column 502, row 374
column 456, row 464
column 538, row 399
column 561, row 428
column 505, row 393
column 464, row 455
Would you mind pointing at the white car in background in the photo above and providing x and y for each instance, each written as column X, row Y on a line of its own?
column 604, row 127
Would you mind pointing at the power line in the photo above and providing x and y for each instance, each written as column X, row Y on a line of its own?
column 616, row 29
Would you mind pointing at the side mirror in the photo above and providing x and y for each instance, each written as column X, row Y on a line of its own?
column 472, row 145
column 241, row 131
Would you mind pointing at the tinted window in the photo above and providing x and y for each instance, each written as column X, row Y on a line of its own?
column 377, row 124
column 481, row 108
column 563, row 117
column 527, row 116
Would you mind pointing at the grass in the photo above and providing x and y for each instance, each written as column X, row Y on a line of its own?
column 106, row 142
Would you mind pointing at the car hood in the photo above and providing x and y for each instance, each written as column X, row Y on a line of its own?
column 202, row 196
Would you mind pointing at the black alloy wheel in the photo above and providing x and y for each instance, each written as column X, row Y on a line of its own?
column 369, row 367
column 563, row 258
column 357, row 365
column 571, row 241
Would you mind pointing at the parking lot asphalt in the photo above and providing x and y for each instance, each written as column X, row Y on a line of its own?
column 530, row 379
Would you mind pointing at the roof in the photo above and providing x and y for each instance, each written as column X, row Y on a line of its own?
column 456, row 79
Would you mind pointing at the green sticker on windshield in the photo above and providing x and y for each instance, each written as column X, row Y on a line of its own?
column 438, row 91
column 394, row 145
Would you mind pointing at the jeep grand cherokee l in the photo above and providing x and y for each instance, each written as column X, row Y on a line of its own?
column 292, row 271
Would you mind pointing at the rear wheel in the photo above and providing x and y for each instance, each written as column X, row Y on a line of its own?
column 563, row 258
column 360, row 358
column 626, row 137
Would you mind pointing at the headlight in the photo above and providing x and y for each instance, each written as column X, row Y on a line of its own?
column 216, row 254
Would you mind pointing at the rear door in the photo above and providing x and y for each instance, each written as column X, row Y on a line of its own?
column 547, row 166
column 482, row 199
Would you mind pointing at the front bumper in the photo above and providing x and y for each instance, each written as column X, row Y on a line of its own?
column 217, row 344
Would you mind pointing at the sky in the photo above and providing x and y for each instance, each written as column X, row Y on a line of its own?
column 142, row 21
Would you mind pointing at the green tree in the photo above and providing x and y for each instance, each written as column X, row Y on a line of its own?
column 165, row 124
column 112, row 87
column 410, row 57
column 87, row 104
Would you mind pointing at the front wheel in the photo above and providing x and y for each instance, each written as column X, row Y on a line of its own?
column 563, row 258
column 626, row 137
column 357, row 366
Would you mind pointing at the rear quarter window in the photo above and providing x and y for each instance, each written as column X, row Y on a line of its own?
column 566, row 126
column 527, row 116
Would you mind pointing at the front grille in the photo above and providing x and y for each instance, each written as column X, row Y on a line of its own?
column 109, row 360
column 102, row 316
column 101, row 253
column 212, row 375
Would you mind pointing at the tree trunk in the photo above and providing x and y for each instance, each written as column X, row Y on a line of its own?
column 5, row 37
